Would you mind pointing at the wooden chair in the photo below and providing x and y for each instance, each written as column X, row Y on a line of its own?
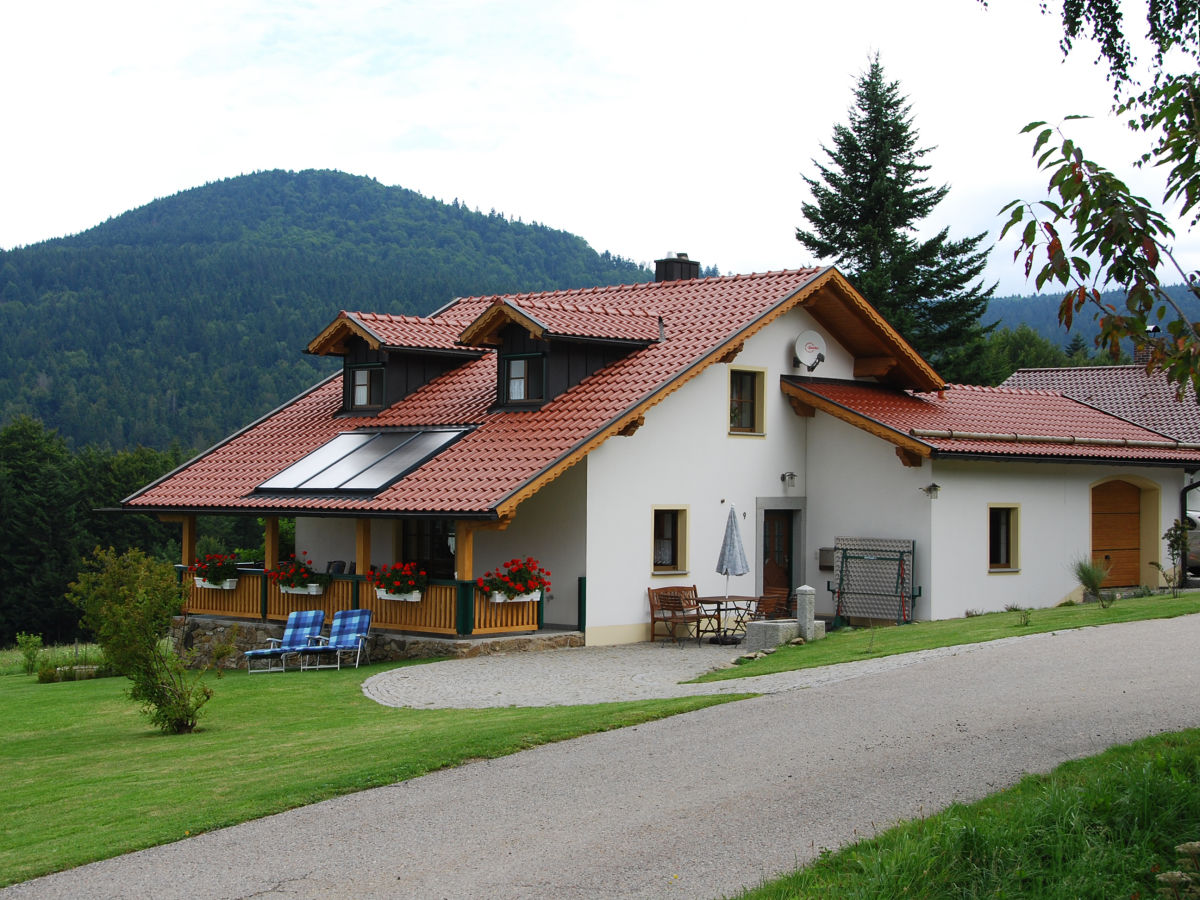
column 676, row 606
column 775, row 603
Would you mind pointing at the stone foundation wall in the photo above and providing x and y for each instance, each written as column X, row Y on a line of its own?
column 201, row 635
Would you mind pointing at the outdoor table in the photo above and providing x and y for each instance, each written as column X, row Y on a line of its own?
column 725, row 635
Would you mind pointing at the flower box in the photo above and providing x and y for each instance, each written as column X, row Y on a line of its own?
column 524, row 578
column 406, row 597
column 498, row 597
column 312, row 590
column 227, row 585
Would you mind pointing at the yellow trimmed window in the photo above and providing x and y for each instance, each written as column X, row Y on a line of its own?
column 746, row 401
column 1002, row 537
column 670, row 540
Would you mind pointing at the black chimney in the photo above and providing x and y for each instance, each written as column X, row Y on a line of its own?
column 676, row 267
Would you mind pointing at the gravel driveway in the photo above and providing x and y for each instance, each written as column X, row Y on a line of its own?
column 699, row 805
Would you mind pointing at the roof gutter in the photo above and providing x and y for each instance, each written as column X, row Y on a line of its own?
column 1013, row 438
column 1018, row 457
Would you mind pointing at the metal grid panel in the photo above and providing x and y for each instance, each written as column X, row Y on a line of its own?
column 874, row 577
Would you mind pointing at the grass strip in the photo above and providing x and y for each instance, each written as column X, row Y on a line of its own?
column 1100, row 827
column 850, row 644
column 87, row 778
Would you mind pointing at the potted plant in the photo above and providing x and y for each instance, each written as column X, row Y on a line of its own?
column 296, row 576
column 402, row 581
column 516, row 581
column 216, row 570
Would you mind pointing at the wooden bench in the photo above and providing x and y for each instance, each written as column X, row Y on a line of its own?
column 676, row 606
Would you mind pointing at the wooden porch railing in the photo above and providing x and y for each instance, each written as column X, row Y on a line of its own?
column 445, row 608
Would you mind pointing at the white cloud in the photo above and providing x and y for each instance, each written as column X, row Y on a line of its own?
column 642, row 126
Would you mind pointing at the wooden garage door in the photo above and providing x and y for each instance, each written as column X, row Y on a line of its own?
column 1116, row 531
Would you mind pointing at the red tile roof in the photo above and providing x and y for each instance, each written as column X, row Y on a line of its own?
column 410, row 331
column 394, row 332
column 553, row 317
column 1125, row 391
column 985, row 421
column 508, row 455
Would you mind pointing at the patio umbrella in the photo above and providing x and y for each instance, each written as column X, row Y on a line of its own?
column 732, row 559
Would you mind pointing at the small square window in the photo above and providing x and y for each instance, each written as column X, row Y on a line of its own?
column 670, row 532
column 367, row 388
column 1002, row 537
column 746, row 401
column 523, row 379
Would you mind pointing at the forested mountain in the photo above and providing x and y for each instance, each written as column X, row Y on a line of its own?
column 1040, row 312
column 182, row 320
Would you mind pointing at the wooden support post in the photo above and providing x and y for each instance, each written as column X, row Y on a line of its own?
column 362, row 546
column 464, row 544
column 189, row 540
column 271, row 542
column 464, row 550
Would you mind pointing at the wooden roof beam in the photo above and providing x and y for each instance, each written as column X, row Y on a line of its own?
column 874, row 366
column 800, row 408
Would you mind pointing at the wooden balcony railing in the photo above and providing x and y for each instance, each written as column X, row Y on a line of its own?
column 446, row 607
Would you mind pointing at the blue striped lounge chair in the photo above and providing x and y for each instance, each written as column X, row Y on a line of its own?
column 303, row 627
column 347, row 636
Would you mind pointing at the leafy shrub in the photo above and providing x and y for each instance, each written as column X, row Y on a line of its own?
column 30, row 646
column 127, row 602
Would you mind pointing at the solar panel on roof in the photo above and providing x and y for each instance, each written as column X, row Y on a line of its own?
column 321, row 458
column 361, row 461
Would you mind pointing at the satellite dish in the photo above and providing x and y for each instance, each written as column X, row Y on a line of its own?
column 810, row 350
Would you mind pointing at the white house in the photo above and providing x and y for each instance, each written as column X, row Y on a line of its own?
column 606, row 432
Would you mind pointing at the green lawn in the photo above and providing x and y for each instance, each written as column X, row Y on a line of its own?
column 848, row 645
column 88, row 778
column 1100, row 827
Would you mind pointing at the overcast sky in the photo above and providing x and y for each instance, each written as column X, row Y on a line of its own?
column 642, row 126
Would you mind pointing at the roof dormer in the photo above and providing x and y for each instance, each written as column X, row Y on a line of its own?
column 545, row 347
column 385, row 358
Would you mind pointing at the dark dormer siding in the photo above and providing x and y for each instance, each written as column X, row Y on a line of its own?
column 404, row 372
column 564, row 362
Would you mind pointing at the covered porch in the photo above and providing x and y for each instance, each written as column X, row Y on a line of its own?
column 451, row 604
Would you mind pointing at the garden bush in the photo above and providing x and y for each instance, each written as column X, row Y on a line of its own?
column 30, row 646
column 128, row 601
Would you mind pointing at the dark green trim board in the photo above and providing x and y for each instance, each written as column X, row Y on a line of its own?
column 465, row 619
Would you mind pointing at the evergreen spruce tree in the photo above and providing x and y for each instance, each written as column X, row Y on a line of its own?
column 1077, row 347
column 869, row 201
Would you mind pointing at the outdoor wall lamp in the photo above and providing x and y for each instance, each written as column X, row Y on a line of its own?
column 931, row 490
column 788, row 478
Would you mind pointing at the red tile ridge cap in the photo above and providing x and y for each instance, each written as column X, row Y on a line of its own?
column 600, row 309
column 627, row 288
column 998, row 389
column 1081, row 368
column 396, row 317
